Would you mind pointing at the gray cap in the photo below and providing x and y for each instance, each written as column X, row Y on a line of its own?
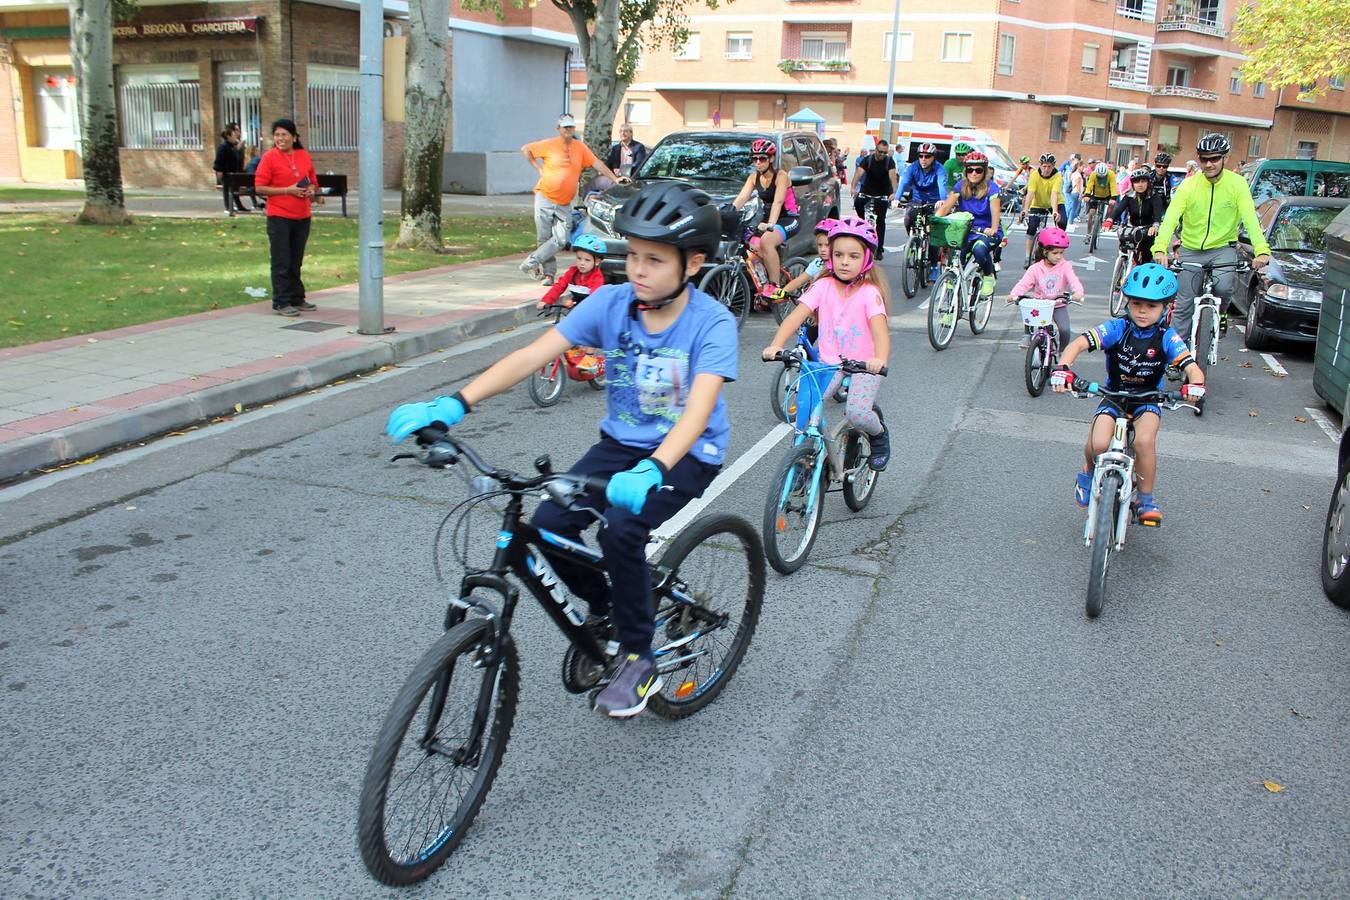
column 566, row 121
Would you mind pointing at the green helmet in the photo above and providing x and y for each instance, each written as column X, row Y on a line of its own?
column 962, row 148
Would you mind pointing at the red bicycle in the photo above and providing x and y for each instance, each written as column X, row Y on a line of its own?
column 576, row 364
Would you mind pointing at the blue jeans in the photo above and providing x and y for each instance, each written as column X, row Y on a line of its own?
column 1075, row 202
column 981, row 246
column 628, row 595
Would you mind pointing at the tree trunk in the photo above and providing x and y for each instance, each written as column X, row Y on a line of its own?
column 91, row 49
column 427, row 109
column 604, row 89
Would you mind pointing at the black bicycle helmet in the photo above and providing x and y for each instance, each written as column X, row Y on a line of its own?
column 668, row 212
column 1047, row 159
column 1162, row 159
column 1213, row 144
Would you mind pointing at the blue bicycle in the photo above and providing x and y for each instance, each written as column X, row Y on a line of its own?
column 822, row 458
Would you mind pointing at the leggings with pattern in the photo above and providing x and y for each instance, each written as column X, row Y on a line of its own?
column 862, row 390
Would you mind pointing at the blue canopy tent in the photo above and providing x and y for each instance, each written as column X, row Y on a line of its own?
column 806, row 117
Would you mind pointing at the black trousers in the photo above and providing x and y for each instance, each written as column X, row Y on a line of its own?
column 287, row 239
column 880, row 206
column 628, row 595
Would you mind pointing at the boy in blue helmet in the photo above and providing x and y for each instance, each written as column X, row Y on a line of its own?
column 1138, row 350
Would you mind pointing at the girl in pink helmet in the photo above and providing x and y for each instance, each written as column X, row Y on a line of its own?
column 849, row 304
column 1050, row 277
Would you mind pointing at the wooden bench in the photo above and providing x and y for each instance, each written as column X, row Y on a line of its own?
column 233, row 183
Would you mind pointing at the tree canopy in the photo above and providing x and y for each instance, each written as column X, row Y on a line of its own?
column 1294, row 41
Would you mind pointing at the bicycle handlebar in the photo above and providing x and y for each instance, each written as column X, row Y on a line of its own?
column 1179, row 265
column 850, row 366
column 1171, row 399
column 1067, row 297
column 441, row 452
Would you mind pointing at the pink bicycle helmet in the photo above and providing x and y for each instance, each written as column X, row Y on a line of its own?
column 825, row 226
column 1053, row 238
column 854, row 227
column 763, row 147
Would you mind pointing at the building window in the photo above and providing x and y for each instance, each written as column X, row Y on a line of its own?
column 1170, row 136
column 1178, row 75
column 1337, row 82
column 1259, row 90
column 1059, row 127
column 958, row 116
column 1094, row 129
column 1131, row 9
column 1090, row 57
column 832, row 111
column 691, row 48
column 1123, row 58
column 903, row 112
column 745, row 113
column 241, row 101
column 637, row 112
column 160, row 107
column 58, row 114
column 1007, row 49
column 1207, row 11
column 1306, row 150
column 334, row 108
column 822, row 47
column 1235, row 82
column 738, row 44
column 906, row 46
column 1254, row 146
column 696, row 112
column 958, row 46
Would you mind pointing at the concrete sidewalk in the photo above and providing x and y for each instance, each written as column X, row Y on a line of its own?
column 71, row 398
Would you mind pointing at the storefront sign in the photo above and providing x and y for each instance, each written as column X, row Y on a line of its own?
column 189, row 28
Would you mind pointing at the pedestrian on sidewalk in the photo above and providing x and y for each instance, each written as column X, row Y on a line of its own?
column 230, row 159
column 628, row 155
column 286, row 177
column 559, row 162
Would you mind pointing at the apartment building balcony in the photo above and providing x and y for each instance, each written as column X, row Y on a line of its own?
column 1191, row 93
column 1197, row 18
column 793, row 66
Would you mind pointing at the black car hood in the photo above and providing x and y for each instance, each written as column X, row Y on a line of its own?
column 1297, row 268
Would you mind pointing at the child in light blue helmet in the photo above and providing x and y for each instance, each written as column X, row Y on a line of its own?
column 581, row 279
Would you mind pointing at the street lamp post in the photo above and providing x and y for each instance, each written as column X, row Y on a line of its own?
column 887, row 130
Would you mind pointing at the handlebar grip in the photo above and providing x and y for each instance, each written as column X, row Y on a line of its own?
column 430, row 434
column 596, row 483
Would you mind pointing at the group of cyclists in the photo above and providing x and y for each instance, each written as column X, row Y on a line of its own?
column 669, row 348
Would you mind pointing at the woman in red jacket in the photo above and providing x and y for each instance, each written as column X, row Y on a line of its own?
column 286, row 177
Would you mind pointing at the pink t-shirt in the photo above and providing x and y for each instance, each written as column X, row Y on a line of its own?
column 1046, row 282
column 845, row 329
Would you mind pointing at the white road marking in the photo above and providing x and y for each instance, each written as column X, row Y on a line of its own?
column 1240, row 327
column 1274, row 364
column 1324, row 423
column 724, row 480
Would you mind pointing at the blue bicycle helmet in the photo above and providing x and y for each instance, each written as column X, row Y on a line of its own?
column 1151, row 283
column 591, row 244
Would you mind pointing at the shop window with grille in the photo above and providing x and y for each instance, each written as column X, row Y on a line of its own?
column 241, row 101
column 334, row 108
column 160, row 107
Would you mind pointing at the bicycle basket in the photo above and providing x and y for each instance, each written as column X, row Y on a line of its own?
column 949, row 231
column 811, row 384
column 1037, row 313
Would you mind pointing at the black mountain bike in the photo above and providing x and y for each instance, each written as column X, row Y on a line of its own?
column 914, row 274
column 442, row 742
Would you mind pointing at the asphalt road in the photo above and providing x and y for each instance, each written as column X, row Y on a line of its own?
column 199, row 640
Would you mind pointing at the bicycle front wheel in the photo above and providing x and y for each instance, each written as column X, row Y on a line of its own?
column 712, row 604
column 431, row 768
column 546, row 384
column 727, row 284
column 1103, row 537
column 1092, row 234
column 1037, row 367
column 1117, row 281
column 942, row 303
column 783, row 395
column 909, row 275
column 1206, row 348
column 793, row 509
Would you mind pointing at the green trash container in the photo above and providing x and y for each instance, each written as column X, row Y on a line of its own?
column 1331, row 368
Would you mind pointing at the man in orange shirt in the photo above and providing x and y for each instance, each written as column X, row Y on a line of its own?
column 559, row 162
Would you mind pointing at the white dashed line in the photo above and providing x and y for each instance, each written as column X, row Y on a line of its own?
column 1274, row 364
column 1240, row 327
column 1324, row 423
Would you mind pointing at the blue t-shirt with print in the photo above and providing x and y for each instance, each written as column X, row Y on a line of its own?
column 647, row 376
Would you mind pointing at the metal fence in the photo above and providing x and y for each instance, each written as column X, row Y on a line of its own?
column 161, row 116
column 334, row 117
column 241, row 101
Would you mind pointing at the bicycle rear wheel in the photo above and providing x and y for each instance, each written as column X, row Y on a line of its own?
column 791, row 516
column 942, row 303
column 981, row 307
column 1037, row 366
column 727, row 284
column 425, row 782
column 546, row 385
column 713, row 603
column 909, row 274
column 1117, row 280
column 1103, row 537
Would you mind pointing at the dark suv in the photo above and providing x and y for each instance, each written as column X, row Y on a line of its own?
column 718, row 162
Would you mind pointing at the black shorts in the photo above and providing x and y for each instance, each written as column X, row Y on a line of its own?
column 1036, row 221
column 1094, row 202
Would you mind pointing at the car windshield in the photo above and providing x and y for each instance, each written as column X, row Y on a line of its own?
column 699, row 159
column 1302, row 228
column 998, row 156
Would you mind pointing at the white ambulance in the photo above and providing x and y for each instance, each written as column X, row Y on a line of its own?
column 909, row 135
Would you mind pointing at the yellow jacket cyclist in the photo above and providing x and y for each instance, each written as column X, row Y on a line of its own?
column 1209, row 207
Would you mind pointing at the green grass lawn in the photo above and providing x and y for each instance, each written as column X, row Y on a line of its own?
column 63, row 279
column 36, row 195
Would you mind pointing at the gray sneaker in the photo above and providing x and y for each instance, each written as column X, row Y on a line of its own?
column 532, row 268
column 634, row 682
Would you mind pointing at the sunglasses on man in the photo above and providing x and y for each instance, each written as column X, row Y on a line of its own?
column 1211, row 159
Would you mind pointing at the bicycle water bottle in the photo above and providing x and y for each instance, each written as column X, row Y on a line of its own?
column 760, row 272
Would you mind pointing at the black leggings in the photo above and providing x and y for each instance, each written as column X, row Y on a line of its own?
column 287, row 238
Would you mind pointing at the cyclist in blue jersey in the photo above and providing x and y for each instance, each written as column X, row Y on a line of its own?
column 923, row 181
column 668, row 349
column 1138, row 349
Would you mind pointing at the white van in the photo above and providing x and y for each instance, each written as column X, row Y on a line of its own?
column 909, row 135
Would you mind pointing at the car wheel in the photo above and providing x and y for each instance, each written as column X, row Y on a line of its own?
column 1335, row 550
column 1255, row 337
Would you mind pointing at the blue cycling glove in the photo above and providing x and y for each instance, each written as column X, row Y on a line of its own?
column 628, row 490
column 409, row 417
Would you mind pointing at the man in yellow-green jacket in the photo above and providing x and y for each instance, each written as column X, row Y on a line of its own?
column 1209, row 210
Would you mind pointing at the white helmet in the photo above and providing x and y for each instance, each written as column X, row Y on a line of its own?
column 1102, row 169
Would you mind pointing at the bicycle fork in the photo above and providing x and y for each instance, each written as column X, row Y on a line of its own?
column 1113, row 459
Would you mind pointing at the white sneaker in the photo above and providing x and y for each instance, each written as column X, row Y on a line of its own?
column 532, row 269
